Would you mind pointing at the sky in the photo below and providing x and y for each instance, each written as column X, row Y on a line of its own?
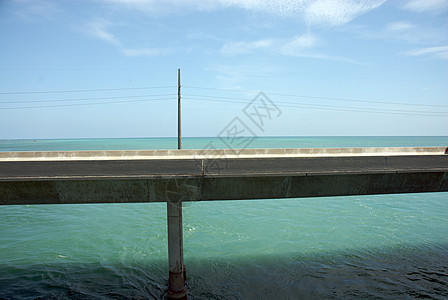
column 109, row 68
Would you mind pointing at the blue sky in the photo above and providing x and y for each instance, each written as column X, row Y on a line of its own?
column 108, row 68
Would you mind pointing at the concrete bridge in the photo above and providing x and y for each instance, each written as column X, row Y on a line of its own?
column 174, row 176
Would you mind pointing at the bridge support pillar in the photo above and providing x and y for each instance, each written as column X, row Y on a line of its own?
column 176, row 281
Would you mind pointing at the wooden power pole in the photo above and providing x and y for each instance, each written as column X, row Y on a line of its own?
column 179, row 126
column 176, row 280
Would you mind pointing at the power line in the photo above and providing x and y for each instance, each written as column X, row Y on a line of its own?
column 83, row 91
column 84, row 104
column 221, row 99
column 205, row 88
column 84, row 99
column 340, row 108
column 249, row 72
column 322, row 105
column 294, row 73
column 359, row 100
column 218, row 89
column 319, row 97
column 369, row 111
column 231, row 100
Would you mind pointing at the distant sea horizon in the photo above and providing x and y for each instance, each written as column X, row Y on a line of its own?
column 219, row 142
column 171, row 137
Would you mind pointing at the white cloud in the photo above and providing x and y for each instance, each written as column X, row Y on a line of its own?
column 337, row 12
column 298, row 46
column 142, row 51
column 323, row 12
column 290, row 46
column 399, row 26
column 235, row 75
column 326, row 12
column 233, row 48
column 32, row 10
column 300, row 43
column 167, row 6
column 99, row 29
column 330, row 57
column 440, row 52
column 426, row 5
column 401, row 31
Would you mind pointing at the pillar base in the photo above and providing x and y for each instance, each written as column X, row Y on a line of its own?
column 177, row 295
column 176, row 286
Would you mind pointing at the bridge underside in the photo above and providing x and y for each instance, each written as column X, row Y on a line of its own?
column 200, row 175
column 216, row 188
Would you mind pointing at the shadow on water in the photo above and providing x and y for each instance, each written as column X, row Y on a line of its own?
column 401, row 272
column 82, row 281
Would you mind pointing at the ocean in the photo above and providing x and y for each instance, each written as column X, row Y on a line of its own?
column 356, row 247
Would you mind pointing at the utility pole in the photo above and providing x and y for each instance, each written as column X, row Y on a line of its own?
column 177, row 274
column 179, row 126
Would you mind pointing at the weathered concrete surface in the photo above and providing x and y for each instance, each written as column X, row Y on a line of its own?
column 217, row 153
column 194, row 175
column 225, row 188
column 101, row 169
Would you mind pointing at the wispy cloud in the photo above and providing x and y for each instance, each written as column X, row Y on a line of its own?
column 299, row 43
column 285, row 46
column 32, row 10
column 236, row 75
column 400, row 31
column 101, row 29
column 341, row 59
column 303, row 45
column 405, row 31
column 194, row 34
column 321, row 12
column 426, row 5
column 167, row 6
column 335, row 12
column 412, row 34
column 143, row 51
column 440, row 52
column 233, row 48
column 400, row 26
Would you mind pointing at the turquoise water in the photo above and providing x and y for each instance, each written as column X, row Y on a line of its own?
column 381, row 246
column 202, row 142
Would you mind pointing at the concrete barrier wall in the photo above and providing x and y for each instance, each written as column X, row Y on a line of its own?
column 217, row 153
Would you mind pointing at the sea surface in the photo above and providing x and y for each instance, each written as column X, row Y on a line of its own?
column 357, row 247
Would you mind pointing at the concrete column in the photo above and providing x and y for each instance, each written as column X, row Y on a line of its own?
column 176, row 281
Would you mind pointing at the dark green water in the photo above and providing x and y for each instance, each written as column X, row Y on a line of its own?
column 385, row 246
